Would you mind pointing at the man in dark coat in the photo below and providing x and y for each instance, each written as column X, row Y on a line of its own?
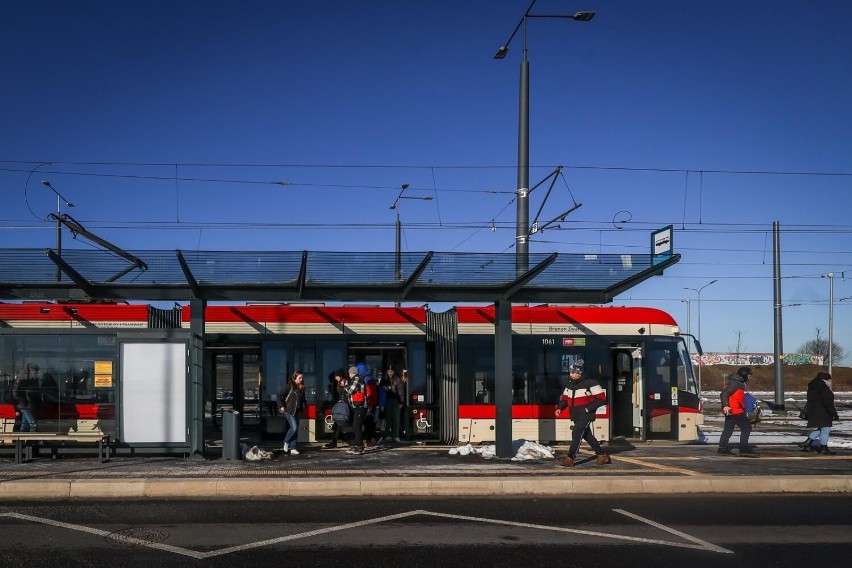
column 820, row 411
column 582, row 397
column 733, row 407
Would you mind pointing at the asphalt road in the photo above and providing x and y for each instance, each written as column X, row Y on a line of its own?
column 693, row 531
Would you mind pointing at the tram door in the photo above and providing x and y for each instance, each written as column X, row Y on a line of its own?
column 378, row 357
column 237, row 383
column 626, row 394
column 661, row 382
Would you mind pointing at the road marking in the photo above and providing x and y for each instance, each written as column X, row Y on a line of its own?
column 702, row 543
column 658, row 466
column 693, row 542
column 698, row 543
column 108, row 534
column 307, row 534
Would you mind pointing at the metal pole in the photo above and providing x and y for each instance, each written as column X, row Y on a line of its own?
column 398, row 250
column 398, row 245
column 522, row 229
column 778, row 348
column 830, row 317
column 700, row 365
column 58, row 235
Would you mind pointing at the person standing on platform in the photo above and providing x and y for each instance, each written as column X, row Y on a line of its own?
column 355, row 393
column 395, row 392
column 338, row 392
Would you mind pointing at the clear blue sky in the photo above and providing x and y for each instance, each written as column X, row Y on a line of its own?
column 166, row 123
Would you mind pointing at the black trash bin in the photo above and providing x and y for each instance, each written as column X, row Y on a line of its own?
column 231, row 435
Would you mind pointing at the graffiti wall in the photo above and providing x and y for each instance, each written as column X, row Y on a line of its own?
column 755, row 359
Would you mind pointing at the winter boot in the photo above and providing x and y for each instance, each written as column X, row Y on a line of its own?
column 748, row 453
column 725, row 451
column 827, row 452
column 806, row 445
column 603, row 459
column 567, row 462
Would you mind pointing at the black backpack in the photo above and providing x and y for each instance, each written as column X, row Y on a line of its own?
column 340, row 413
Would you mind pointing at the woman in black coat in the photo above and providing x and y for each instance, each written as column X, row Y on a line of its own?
column 820, row 413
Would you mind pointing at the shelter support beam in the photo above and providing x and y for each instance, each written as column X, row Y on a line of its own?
column 87, row 287
column 522, row 280
column 412, row 280
column 503, row 377
column 187, row 273
column 196, row 376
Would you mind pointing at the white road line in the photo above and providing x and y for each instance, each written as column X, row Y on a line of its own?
column 107, row 534
column 702, row 546
column 307, row 534
column 703, row 543
column 696, row 542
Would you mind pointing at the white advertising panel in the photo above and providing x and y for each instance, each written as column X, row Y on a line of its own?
column 153, row 392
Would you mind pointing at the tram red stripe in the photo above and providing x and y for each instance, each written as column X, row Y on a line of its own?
column 519, row 411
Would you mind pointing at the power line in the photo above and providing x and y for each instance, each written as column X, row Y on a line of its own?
column 443, row 167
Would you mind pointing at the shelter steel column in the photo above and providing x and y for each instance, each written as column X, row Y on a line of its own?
column 196, row 376
column 503, row 378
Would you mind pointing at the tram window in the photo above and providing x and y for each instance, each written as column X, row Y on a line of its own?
column 303, row 359
column 669, row 366
column 71, row 395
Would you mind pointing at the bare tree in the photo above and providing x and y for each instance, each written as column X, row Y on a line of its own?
column 818, row 346
column 740, row 348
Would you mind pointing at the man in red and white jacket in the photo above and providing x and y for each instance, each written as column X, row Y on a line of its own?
column 583, row 396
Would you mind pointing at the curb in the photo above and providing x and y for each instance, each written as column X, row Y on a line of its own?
column 266, row 488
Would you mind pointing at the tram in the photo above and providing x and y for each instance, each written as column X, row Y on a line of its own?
column 639, row 356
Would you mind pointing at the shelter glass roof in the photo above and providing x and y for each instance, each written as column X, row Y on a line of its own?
column 320, row 275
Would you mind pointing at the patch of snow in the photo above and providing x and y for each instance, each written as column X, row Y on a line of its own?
column 521, row 450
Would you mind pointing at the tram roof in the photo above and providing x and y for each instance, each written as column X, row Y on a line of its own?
column 92, row 274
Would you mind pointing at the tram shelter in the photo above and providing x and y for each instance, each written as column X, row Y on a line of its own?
column 202, row 277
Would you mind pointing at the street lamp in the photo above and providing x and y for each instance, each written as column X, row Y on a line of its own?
column 523, row 206
column 399, row 225
column 688, row 316
column 59, row 200
column 698, row 291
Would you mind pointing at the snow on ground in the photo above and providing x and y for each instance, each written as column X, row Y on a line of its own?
column 770, row 430
column 522, row 450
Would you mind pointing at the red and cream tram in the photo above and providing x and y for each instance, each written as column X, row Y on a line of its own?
column 637, row 354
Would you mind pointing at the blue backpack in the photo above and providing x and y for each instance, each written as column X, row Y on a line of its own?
column 752, row 408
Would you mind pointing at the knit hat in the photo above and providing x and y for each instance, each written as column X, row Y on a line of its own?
column 353, row 370
column 824, row 376
column 575, row 368
column 744, row 373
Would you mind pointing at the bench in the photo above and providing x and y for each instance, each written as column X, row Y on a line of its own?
column 24, row 442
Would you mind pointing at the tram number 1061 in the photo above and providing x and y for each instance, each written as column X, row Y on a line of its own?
column 548, row 341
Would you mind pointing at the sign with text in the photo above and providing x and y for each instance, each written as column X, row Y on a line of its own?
column 662, row 244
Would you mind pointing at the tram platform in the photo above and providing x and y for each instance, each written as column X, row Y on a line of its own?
column 428, row 470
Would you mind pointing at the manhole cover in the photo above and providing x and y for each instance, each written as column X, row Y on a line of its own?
column 132, row 536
